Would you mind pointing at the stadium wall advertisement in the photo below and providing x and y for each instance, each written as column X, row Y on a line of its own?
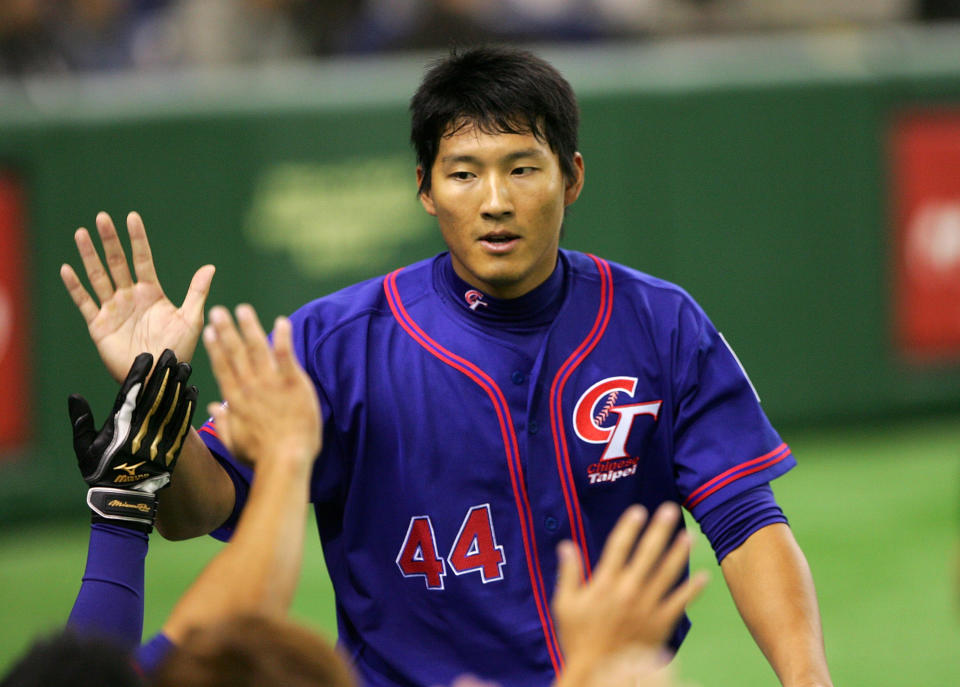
column 926, row 167
column 15, row 398
column 764, row 176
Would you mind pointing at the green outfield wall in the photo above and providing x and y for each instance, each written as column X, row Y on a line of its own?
column 756, row 173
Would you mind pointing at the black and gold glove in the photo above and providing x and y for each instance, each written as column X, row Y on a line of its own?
column 133, row 455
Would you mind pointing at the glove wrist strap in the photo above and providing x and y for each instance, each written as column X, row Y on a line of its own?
column 135, row 509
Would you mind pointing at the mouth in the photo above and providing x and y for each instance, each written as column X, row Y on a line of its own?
column 499, row 241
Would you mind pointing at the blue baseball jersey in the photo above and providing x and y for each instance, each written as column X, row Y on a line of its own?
column 465, row 437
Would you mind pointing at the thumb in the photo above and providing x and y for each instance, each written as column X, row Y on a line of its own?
column 197, row 292
column 81, row 419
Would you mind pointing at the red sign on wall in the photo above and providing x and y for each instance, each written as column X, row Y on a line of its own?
column 926, row 175
column 14, row 389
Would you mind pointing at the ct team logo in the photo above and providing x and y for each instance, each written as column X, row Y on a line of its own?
column 605, row 415
column 474, row 299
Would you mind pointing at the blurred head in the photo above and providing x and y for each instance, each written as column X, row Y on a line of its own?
column 498, row 90
column 68, row 659
column 249, row 651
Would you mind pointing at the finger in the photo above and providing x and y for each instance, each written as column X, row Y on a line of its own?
column 152, row 404
column 255, row 339
column 671, row 567
column 84, row 431
column 113, row 250
column 286, row 358
column 231, row 343
column 79, row 410
column 197, row 293
column 165, row 368
column 221, row 420
column 81, row 418
column 653, row 542
column 676, row 603
column 220, row 363
column 167, row 411
column 568, row 574
column 140, row 248
column 180, row 426
column 85, row 304
column 139, row 371
column 620, row 542
column 170, row 404
column 99, row 280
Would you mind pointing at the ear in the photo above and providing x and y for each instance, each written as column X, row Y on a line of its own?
column 575, row 185
column 426, row 198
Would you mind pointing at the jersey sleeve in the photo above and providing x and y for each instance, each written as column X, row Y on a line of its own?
column 325, row 480
column 110, row 600
column 723, row 442
column 730, row 524
column 240, row 474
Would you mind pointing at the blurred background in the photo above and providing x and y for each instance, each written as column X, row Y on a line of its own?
column 795, row 165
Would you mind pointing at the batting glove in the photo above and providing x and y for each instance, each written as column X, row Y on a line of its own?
column 132, row 456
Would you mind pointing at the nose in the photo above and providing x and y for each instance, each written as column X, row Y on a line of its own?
column 497, row 204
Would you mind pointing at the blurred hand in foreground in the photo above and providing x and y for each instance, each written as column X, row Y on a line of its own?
column 613, row 628
column 270, row 408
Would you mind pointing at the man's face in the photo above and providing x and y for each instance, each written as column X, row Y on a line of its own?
column 499, row 201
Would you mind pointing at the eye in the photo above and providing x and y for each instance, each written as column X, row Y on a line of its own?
column 461, row 176
column 523, row 171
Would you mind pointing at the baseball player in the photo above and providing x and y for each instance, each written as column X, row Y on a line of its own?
column 484, row 404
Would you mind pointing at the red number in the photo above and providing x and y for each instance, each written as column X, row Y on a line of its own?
column 418, row 555
column 475, row 549
column 476, row 546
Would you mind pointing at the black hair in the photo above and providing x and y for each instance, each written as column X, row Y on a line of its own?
column 68, row 659
column 500, row 90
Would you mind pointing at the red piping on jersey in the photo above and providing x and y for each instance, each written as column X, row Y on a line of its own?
column 736, row 472
column 208, row 428
column 556, row 410
column 483, row 380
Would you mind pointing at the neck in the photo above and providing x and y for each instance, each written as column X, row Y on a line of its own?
column 534, row 306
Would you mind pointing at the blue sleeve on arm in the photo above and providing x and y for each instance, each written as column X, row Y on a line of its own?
column 240, row 475
column 110, row 601
column 728, row 525
column 241, row 488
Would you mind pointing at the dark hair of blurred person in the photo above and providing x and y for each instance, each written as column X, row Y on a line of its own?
column 69, row 659
column 251, row 650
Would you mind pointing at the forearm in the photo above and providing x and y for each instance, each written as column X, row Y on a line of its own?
column 200, row 496
column 259, row 569
column 110, row 600
column 773, row 589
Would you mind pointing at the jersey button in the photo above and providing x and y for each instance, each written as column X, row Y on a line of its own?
column 517, row 377
column 551, row 523
column 532, row 427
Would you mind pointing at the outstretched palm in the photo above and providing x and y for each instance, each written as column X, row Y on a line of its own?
column 133, row 317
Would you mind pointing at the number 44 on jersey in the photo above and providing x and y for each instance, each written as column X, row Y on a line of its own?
column 474, row 549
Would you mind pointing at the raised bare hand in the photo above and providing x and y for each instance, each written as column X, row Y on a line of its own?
column 133, row 317
column 271, row 410
column 631, row 599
